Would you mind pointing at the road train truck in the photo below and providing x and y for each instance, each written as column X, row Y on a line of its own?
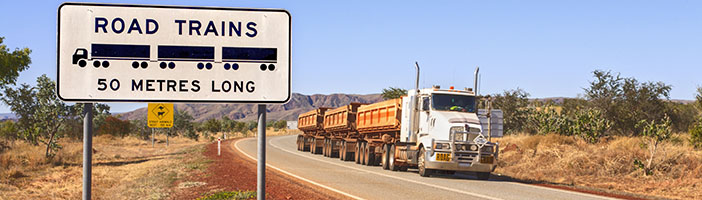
column 433, row 130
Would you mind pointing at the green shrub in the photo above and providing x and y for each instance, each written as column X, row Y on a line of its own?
column 696, row 134
column 590, row 124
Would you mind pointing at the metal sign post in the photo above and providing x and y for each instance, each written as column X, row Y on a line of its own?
column 261, row 165
column 87, row 148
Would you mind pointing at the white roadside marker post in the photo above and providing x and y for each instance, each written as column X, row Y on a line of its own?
column 219, row 146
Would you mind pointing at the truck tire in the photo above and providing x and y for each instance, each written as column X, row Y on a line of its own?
column 391, row 159
column 297, row 142
column 332, row 145
column 423, row 171
column 384, row 157
column 305, row 144
column 364, row 153
column 483, row 175
column 312, row 144
column 370, row 155
column 342, row 153
column 357, row 153
column 325, row 147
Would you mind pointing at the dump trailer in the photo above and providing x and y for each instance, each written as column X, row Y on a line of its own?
column 434, row 130
column 340, row 128
column 312, row 127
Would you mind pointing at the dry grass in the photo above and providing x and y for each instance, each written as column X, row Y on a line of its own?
column 123, row 168
column 607, row 165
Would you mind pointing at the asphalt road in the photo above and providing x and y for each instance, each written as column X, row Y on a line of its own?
column 366, row 182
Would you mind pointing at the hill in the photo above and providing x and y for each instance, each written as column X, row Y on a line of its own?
column 298, row 104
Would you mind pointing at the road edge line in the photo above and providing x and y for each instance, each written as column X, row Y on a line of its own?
column 236, row 145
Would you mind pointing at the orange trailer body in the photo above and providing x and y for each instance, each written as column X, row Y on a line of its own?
column 379, row 117
column 341, row 121
column 312, row 122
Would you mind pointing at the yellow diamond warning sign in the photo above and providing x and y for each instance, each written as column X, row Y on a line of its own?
column 160, row 115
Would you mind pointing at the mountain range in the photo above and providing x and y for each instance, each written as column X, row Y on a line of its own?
column 298, row 104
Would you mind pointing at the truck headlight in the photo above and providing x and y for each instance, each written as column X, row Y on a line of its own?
column 473, row 147
column 487, row 149
column 442, row 146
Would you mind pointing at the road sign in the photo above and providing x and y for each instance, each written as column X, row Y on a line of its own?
column 125, row 53
column 160, row 115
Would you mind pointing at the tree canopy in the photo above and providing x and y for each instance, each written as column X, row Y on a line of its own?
column 12, row 63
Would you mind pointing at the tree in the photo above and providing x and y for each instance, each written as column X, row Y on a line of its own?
column 280, row 124
column 393, row 93
column 139, row 126
column 212, row 126
column 114, row 126
column 515, row 106
column 12, row 63
column 625, row 101
column 227, row 124
column 183, row 124
column 41, row 113
column 654, row 133
column 698, row 100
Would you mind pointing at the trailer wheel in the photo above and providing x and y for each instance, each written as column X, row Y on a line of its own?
column 313, row 146
column 357, row 153
column 328, row 153
column 369, row 155
column 297, row 142
column 331, row 149
column 324, row 147
column 384, row 157
column 364, row 154
column 305, row 143
column 483, row 175
column 328, row 147
column 342, row 151
column 391, row 159
column 423, row 171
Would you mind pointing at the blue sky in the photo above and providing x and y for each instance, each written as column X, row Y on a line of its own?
column 548, row 48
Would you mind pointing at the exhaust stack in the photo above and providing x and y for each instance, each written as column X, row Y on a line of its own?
column 475, row 83
column 414, row 115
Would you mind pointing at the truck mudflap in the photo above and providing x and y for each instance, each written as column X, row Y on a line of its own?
column 459, row 157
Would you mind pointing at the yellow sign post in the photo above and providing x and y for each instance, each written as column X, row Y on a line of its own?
column 160, row 115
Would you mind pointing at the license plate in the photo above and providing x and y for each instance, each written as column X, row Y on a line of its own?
column 486, row 159
column 443, row 157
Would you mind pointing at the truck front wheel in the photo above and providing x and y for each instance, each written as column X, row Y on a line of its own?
column 384, row 158
column 391, row 159
column 423, row 171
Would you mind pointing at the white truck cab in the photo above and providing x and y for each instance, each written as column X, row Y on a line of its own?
column 447, row 132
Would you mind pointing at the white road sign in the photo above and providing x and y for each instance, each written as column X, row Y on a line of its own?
column 125, row 53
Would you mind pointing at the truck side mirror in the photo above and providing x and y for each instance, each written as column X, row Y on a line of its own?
column 425, row 104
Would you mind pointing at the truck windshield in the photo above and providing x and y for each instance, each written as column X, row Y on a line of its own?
column 447, row 102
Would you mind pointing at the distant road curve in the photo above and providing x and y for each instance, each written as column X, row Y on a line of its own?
column 366, row 182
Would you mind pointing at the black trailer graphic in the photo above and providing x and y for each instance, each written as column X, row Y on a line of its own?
column 203, row 55
column 169, row 55
column 106, row 52
column 251, row 55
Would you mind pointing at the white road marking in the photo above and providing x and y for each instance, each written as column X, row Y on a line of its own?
column 376, row 173
column 236, row 145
